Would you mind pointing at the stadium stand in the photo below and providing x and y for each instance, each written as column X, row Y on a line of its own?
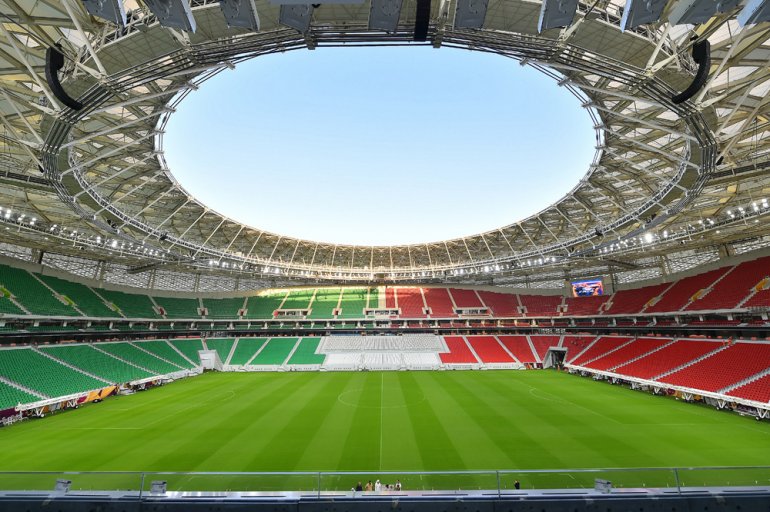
column 222, row 346
column 757, row 390
column 305, row 353
column 722, row 368
column 32, row 294
column 177, row 307
column 245, row 349
column 164, row 350
column 582, row 306
column 576, row 344
column 541, row 305
column 729, row 292
column 519, row 347
column 263, row 306
column 465, row 298
column 96, row 363
column 84, row 298
column 11, row 396
column 298, row 299
column 634, row 350
column 501, row 304
column 440, row 302
column 129, row 304
column 373, row 299
column 43, row 375
column 543, row 343
column 7, row 306
column 625, row 302
column 189, row 347
column 668, row 358
column 390, row 298
column 489, row 350
column 411, row 302
column 325, row 302
column 276, row 351
column 223, row 308
column 676, row 297
column 760, row 299
column 134, row 355
column 459, row 353
column 353, row 302
column 601, row 346
column 405, row 343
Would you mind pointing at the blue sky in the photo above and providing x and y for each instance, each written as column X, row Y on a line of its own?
column 379, row 146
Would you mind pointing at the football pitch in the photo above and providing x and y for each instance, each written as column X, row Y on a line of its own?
column 373, row 422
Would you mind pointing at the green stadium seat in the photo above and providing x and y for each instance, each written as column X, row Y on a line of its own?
column 178, row 308
column 32, row 294
column 189, row 347
column 139, row 357
column 353, row 303
column 44, row 375
column 275, row 352
column 131, row 305
column 96, row 363
column 223, row 308
column 222, row 346
column 245, row 350
column 325, row 302
column 306, row 352
column 83, row 297
column 163, row 349
column 262, row 306
column 11, row 397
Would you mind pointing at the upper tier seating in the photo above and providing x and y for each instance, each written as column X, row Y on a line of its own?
column 305, row 352
column 96, row 363
column 543, row 343
column 223, row 308
column 518, row 345
column 466, row 298
column 325, row 302
column 298, row 299
column 178, row 308
column 667, row 358
column 759, row 299
column 32, row 294
column 584, row 306
column 83, row 297
column 439, row 302
column 676, row 297
column 459, row 353
column 11, row 397
column 131, row 305
column 374, row 298
column 501, row 304
column 8, row 307
column 163, row 349
column 736, row 286
column 390, row 297
column 721, row 369
column 635, row 349
column 137, row 356
column 632, row 301
column 262, row 306
column 222, row 347
column 276, row 351
column 541, row 305
column 602, row 345
column 489, row 350
column 354, row 302
column 245, row 350
column 43, row 375
column 411, row 303
column 757, row 390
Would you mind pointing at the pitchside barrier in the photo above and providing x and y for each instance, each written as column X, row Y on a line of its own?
column 325, row 485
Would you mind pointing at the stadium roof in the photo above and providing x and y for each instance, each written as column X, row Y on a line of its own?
column 667, row 178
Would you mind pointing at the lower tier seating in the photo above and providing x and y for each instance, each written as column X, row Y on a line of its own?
column 459, row 353
column 757, row 390
column 163, row 349
column 222, row 347
column 139, row 357
column 489, row 350
column 190, row 348
column 600, row 347
column 543, row 343
column 305, row 352
column 43, row 375
column 245, row 349
column 668, row 358
column 97, row 363
column 518, row 345
column 635, row 349
column 276, row 351
column 11, row 397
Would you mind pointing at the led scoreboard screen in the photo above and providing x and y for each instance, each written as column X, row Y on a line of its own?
column 587, row 288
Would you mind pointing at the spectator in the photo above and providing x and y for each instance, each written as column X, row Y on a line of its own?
column 368, row 486
column 359, row 487
column 377, row 486
column 398, row 485
column 516, row 484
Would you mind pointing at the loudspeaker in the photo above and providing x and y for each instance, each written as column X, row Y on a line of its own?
column 422, row 20
column 54, row 61
column 701, row 53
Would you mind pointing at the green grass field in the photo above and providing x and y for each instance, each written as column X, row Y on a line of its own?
column 390, row 421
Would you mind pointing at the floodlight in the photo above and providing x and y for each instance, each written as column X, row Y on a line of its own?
column 556, row 13
column 297, row 17
column 384, row 15
column 173, row 13
column 756, row 11
column 639, row 12
column 240, row 13
column 693, row 12
column 470, row 13
column 110, row 10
